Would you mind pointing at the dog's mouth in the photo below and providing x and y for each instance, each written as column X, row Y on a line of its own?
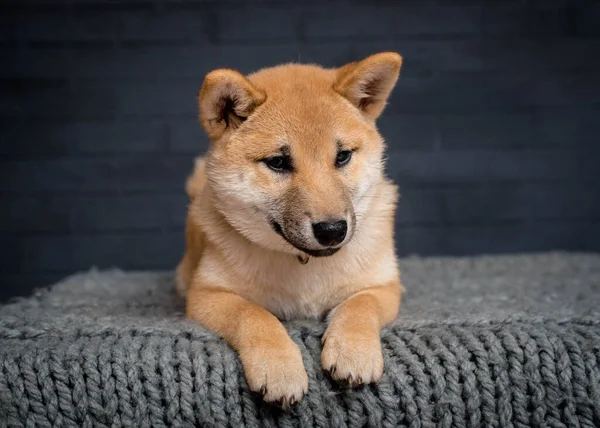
column 314, row 253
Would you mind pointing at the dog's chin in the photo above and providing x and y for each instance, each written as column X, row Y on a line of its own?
column 319, row 253
column 326, row 252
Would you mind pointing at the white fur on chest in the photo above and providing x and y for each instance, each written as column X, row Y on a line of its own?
column 291, row 290
column 305, row 291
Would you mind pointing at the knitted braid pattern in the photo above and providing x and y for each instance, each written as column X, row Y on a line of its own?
column 82, row 363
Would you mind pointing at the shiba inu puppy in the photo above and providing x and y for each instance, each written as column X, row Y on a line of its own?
column 291, row 217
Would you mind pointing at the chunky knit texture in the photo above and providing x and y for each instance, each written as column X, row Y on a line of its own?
column 503, row 341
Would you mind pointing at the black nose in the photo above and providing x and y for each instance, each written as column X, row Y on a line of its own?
column 330, row 233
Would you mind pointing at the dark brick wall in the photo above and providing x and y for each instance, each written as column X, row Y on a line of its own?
column 493, row 129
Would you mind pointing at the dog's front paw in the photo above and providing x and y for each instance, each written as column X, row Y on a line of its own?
column 276, row 371
column 352, row 357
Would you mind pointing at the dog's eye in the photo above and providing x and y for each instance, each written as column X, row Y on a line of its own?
column 342, row 158
column 278, row 163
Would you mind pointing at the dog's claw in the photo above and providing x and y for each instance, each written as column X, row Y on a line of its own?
column 332, row 370
column 263, row 390
column 285, row 403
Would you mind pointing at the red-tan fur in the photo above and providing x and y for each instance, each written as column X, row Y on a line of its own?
column 239, row 276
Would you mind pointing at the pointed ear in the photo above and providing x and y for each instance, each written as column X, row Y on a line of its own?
column 368, row 83
column 226, row 100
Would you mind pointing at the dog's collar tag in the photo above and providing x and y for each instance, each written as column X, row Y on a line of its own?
column 303, row 258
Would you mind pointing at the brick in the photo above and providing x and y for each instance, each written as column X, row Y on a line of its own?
column 178, row 212
column 427, row 57
column 331, row 54
column 182, row 26
column 567, row 128
column 53, row 25
column 331, row 20
column 508, row 238
column 101, row 99
column 8, row 27
column 151, row 250
column 110, row 62
column 586, row 14
column 414, row 95
column 59, row 213
column 32, row 63
column 547, row 4
column 482, row 166
column 516, row 19
column 95, row 25
column 131, row 213
column 539, row 55
column 187, row 136
column 176, row 62
column 486, row 204
column 96, row 174
column 234, row 3
column 54, row 98
column 565, row 89
column 461, row 92
column 248, row 59
column 23, row 284
column 417, row 207
column 492, row 54
column 17, row 5
column 423, row 240
column 429, row 241
column 251, row 22
column 104, row 4
column 72, row 138
column 484, row 131
column 469, row 166
column 150, row 99
column 564, row 201
column 34, row 215
column 567, row 235
column 406, row 168
column 591, row 171
column 138, row 212
column 422, row 58
column 408, row 132
column 58, row 26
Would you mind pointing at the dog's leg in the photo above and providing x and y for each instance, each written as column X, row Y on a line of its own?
column 351, row 345
column 272, row 361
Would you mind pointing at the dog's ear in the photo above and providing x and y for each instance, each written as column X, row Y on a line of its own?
column 368, row 83
column 225, row 100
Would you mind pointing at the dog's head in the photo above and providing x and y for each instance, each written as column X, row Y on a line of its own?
column 295, row 151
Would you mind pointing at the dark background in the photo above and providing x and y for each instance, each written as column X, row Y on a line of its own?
column 493, row 129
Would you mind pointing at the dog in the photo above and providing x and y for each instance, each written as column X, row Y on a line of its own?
column 291, row 216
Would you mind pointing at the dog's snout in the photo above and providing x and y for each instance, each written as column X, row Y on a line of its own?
column 330, row 233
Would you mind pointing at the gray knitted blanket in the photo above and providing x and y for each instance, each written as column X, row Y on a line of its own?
column 506, row 341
